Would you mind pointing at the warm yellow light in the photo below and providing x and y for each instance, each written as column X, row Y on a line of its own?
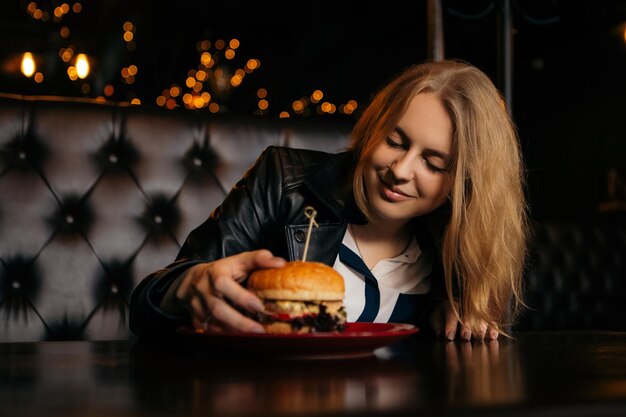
column 174, row 91
column 72, row 73
column 234, row 43
column 205, row 58
column 263, row 104
column 317, row 96
column 297, row 106
column 283, row 115
column 82, row 66
column 229, row 54
column 261, row 93
column 128, row 36
column 28, row 64
column 202, row 75
column 252, row 64
column 38, row 78
column 66, row 54
column 236, row 80
column 135, row 102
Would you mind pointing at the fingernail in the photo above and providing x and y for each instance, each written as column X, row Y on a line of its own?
column 255, row 305
column 256, row 329
column 450, row 335
column 466, row 335
column 493, row 335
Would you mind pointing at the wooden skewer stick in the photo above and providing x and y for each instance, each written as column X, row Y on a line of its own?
column 310, row 214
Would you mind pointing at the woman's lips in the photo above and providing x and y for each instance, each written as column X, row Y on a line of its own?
column 393, row 194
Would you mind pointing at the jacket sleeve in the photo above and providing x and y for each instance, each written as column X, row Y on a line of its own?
column 243, row 222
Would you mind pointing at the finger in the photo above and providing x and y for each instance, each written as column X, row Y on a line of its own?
column 208, row 301
column 226, row 315
column 466, row 334
column 192, row 276
column 242, row 264
column 493, row 333
column 452, row 323
column 224, row 276
column 482, row 331
column 199, row 313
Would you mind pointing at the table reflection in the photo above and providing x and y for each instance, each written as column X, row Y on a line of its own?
column 581, row 372
column 409, row 374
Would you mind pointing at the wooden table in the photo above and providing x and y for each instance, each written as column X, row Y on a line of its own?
column 538, row 374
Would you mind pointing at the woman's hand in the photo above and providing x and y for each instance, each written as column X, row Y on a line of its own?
column 209, row 291
column 446, row 324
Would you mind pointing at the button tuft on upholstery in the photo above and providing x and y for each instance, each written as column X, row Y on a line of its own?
column 20, row 277
column 73, row 216
column 199, row 156
column 117, row 154
column 115, row 285
column 23, row 152
column 161, row 216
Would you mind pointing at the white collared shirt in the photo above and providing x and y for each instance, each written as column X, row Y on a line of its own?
column 403, row 277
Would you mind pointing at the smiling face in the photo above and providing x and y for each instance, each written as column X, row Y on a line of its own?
column 406, row 173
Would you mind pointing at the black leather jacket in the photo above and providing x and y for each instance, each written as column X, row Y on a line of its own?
column 265, row 209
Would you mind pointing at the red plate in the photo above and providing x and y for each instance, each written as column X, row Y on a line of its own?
column 358, row 340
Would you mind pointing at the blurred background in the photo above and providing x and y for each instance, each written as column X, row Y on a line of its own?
column 563, row 77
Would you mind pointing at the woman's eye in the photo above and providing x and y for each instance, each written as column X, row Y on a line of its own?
column 394, row 144
column 434, row 167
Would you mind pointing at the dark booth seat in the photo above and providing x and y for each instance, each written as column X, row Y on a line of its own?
column 576, row 277
column 94, row 196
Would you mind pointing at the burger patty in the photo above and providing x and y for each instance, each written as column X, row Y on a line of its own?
column 325, row 316
column 298, row 308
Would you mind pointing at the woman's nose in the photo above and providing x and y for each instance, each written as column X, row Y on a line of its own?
column 403, row 169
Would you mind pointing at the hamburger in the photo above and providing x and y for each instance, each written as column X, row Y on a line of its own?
column 300, row 297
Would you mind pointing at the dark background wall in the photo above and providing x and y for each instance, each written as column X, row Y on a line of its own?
column 569, row 63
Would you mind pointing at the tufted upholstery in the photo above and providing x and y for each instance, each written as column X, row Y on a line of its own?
column 95, row 196
column 577, row 277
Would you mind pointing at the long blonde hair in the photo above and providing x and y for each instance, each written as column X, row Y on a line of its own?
column 484, row 240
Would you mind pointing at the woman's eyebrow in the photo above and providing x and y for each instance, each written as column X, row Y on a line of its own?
column 428, row 151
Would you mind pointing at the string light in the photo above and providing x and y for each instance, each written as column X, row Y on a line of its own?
column 28, row 64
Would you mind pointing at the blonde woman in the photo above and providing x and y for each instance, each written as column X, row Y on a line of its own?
column 424, row 216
